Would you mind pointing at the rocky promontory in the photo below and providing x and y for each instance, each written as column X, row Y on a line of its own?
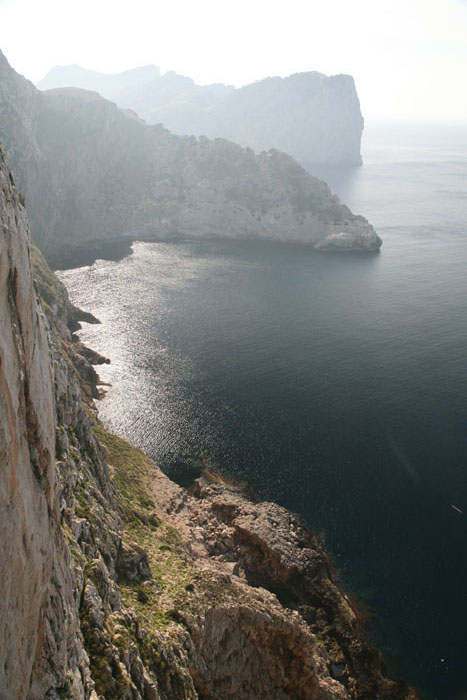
column 350, row 238
column 93, row 175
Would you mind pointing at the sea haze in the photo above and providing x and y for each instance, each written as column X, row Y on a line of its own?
column 334, row 385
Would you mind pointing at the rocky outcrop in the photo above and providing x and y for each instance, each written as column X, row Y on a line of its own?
column 350, row 238
column 265, row 546
column 92, row 174
column 118, row 584
column 314, row 118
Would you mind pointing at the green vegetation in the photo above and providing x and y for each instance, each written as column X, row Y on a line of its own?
column 52, row 292
column 132, row 470
column 47, row 283
column 159, row 604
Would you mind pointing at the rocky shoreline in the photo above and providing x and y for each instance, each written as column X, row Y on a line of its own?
column 364, row 241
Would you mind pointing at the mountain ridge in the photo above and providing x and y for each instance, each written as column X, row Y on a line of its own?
column 313, row 117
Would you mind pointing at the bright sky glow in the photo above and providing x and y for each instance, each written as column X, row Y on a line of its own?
column 408, row 57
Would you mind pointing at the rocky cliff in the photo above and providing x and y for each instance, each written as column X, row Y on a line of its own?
column 313, row 117
column 41, row 647
column 93, row 174
column 118, row 584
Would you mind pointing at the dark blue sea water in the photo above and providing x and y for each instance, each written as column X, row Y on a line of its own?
column 334, row 385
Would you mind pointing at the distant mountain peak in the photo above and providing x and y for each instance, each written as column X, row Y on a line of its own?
column 108, row 85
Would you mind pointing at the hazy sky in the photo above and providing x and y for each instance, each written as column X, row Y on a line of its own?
column 408, row 57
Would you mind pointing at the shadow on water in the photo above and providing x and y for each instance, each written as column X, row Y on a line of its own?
column 79, row 256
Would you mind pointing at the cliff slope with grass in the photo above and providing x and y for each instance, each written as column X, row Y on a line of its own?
column 92, row 174
column 118, row 584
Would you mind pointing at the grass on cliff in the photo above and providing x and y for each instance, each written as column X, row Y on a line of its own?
column 132, row 471
column 49, row 286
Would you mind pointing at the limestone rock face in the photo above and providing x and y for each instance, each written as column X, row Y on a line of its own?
column 92, row 174
column 314, row 118
column 39, row 638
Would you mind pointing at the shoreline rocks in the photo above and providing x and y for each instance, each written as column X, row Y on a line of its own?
column 351, row 238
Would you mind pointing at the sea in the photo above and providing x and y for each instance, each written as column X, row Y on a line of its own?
column 334, row 385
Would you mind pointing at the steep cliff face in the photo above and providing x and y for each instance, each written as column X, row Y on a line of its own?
column 91, row 173
column 314, row 118
column 39, row 638
column 118, row 584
